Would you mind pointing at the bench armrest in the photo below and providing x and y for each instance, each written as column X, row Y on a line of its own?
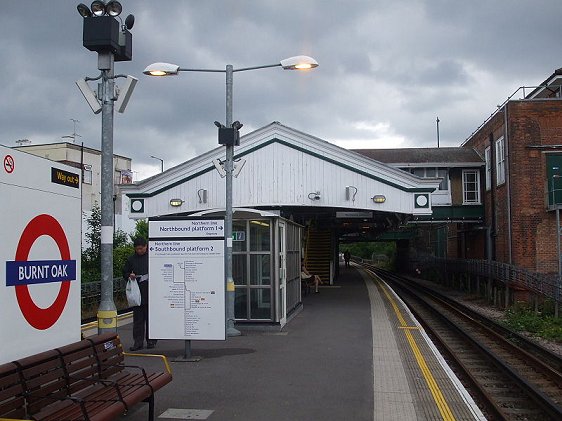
column 146, row 382
column 162, row 357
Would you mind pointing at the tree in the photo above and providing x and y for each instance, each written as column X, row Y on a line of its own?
column 141, row 230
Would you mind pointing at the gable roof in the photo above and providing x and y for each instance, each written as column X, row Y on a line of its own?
column 446, row 157
column 276, row 132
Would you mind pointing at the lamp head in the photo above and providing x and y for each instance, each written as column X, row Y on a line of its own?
column 98, row 8
column 83, row 10
column 299, row 63
column 161, row 69
column 113, row 8
column 129, row 22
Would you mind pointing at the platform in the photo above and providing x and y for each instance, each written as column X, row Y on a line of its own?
column 353, row 353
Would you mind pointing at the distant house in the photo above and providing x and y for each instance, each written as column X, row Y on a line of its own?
column 458, row 209
column 89, row 160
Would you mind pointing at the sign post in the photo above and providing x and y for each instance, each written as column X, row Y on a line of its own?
column 186, row 280
column 40, row 255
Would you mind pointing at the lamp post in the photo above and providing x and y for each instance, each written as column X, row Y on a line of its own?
column 111, row 39
column 161, row 162
column 167, row 69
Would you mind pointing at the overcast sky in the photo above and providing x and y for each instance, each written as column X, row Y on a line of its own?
column 387, row 70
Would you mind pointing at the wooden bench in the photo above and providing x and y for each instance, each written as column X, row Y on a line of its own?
column 85, row 380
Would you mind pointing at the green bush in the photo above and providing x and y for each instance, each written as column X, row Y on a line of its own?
column 544, row 326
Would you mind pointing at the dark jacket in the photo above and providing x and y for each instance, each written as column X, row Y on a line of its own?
column 137, row 264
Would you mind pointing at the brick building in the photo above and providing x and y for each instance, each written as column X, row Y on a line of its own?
column 521, row 144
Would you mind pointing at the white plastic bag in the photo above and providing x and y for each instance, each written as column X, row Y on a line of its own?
column 133, row 293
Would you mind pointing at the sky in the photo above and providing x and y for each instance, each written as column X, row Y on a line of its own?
column 387, row 70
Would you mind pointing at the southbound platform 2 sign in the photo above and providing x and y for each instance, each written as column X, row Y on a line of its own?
column 66, row 178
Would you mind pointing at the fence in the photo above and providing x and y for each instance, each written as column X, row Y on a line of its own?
column 91, row 292
column 509, row 275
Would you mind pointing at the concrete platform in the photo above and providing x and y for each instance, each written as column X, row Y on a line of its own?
column 348, row 355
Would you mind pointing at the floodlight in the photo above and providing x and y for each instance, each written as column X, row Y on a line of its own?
column 113, row 8
column 161, row 69
column 299, row 63
column 84, row 11
column 129, row 22
column 89, row 96
column 98, row 8
column 125, row 94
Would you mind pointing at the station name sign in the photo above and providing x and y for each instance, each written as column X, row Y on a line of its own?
column 65, row 178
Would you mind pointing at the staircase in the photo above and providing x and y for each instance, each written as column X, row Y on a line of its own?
column 318, row 253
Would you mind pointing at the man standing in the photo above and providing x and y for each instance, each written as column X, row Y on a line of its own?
column 136, row 267
column 346, row 257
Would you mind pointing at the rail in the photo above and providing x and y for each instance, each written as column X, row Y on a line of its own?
column 90, row 296
column 513, row 276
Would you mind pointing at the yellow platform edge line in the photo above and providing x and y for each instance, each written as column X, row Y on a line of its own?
column 438, row 397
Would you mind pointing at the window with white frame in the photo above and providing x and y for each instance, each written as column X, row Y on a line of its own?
column 488, row 159
column 471, row 187
column 500, row 160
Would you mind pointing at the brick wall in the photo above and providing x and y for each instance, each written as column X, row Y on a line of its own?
column 531, row 123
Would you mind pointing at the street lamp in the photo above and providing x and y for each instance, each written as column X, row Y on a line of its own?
column 168, row 69
column 161, row 162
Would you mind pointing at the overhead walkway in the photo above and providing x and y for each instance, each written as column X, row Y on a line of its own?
column 353, row 353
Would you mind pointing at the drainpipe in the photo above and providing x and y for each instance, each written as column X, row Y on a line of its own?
column 507, row 181
column 508, row 187
column 493, row 185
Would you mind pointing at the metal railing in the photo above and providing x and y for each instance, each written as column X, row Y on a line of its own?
column 513, row 276
column 91, row 292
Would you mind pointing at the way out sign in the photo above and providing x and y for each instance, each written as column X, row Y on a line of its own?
column 39, row 259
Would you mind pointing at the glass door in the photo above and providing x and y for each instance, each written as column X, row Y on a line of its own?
column 282, row 273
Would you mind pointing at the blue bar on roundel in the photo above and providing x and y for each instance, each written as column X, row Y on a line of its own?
column 39, row 272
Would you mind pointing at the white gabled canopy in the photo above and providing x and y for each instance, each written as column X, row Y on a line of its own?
column 283, row 167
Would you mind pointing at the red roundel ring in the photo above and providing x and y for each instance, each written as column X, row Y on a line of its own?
column 42, row 318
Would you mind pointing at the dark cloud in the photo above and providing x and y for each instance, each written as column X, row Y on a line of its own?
column 387, row 70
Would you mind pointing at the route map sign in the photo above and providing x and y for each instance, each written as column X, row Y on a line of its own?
column 186, row 279
column 39, row 257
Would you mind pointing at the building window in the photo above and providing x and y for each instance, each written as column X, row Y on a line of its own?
column 471, row 187
column 500, row 160
column 432, row 172
column 488, row 159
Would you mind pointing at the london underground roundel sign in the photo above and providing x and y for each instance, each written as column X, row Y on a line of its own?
column 22, row 272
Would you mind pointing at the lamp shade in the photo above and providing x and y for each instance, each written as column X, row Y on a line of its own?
column 161, row 69
column 299, row 63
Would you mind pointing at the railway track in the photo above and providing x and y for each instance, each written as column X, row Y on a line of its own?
column 512, row 377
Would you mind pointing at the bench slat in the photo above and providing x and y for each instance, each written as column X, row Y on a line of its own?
column 91, row 370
